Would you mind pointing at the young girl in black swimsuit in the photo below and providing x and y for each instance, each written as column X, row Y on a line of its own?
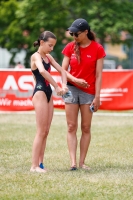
column 42, row 95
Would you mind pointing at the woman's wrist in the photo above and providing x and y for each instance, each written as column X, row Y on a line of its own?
column 74, row 80
column 97, row 96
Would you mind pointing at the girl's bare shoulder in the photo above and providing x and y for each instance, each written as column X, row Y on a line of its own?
column 34, row 56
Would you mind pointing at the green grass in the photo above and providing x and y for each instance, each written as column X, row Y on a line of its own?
column 110, row 157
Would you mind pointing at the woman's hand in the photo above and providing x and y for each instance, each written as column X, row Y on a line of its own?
column 81, row 82
column 64, row 88
column 96, row 103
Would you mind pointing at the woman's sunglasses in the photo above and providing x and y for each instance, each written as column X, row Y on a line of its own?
column 75, row 34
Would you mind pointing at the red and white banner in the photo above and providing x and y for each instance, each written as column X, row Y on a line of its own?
column 117, row 90
column 16, row 88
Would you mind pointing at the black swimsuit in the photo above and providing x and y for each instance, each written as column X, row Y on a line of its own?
column 41, row 83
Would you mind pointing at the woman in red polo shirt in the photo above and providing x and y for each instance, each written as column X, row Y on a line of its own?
column 83, row 61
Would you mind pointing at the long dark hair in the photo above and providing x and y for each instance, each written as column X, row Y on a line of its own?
column 91, row 36
column 44, row 36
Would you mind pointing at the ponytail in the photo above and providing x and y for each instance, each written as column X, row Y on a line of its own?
column 77, row 51
column 91, row 35
column 36, row 43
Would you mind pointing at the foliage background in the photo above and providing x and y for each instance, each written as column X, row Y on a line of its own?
column 22, row 21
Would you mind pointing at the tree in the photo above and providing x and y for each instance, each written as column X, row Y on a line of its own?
column 21, row 22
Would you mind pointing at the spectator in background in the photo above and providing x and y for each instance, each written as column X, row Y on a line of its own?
column 119, row 67
column 19, row 66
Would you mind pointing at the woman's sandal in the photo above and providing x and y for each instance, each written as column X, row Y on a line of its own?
column 73, row 168
column 85, row 167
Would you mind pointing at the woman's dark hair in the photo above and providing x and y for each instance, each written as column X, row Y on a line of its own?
column 91, row 36
column 44, row 36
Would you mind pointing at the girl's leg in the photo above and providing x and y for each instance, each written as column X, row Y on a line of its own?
column 41, row 109
column 72, row 124
column 50, row 116
column 86, row 117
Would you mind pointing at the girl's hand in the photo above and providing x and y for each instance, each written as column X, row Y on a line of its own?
column 59, row 91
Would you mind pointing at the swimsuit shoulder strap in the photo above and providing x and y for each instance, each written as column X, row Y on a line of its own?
column 48, row 59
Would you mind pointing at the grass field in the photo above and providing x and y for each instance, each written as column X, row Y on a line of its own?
column 110, row 157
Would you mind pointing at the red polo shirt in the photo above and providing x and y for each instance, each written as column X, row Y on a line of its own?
column 86, row 69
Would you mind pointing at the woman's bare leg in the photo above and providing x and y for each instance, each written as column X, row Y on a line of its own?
column 72, row 124
column 86, row 117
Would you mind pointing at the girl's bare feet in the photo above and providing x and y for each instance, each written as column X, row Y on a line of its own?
column 37, row 169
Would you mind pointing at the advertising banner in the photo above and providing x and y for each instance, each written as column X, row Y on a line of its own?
column 117, row 90
column 16, row 88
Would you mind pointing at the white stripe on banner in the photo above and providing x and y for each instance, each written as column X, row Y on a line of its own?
column 63, row 113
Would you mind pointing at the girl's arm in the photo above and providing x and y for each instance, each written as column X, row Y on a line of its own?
column 61, row 71
column 36, row 61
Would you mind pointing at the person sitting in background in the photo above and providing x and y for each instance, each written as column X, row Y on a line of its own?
column 19, row 66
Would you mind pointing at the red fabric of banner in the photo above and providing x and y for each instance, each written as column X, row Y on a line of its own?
column 116, row 93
